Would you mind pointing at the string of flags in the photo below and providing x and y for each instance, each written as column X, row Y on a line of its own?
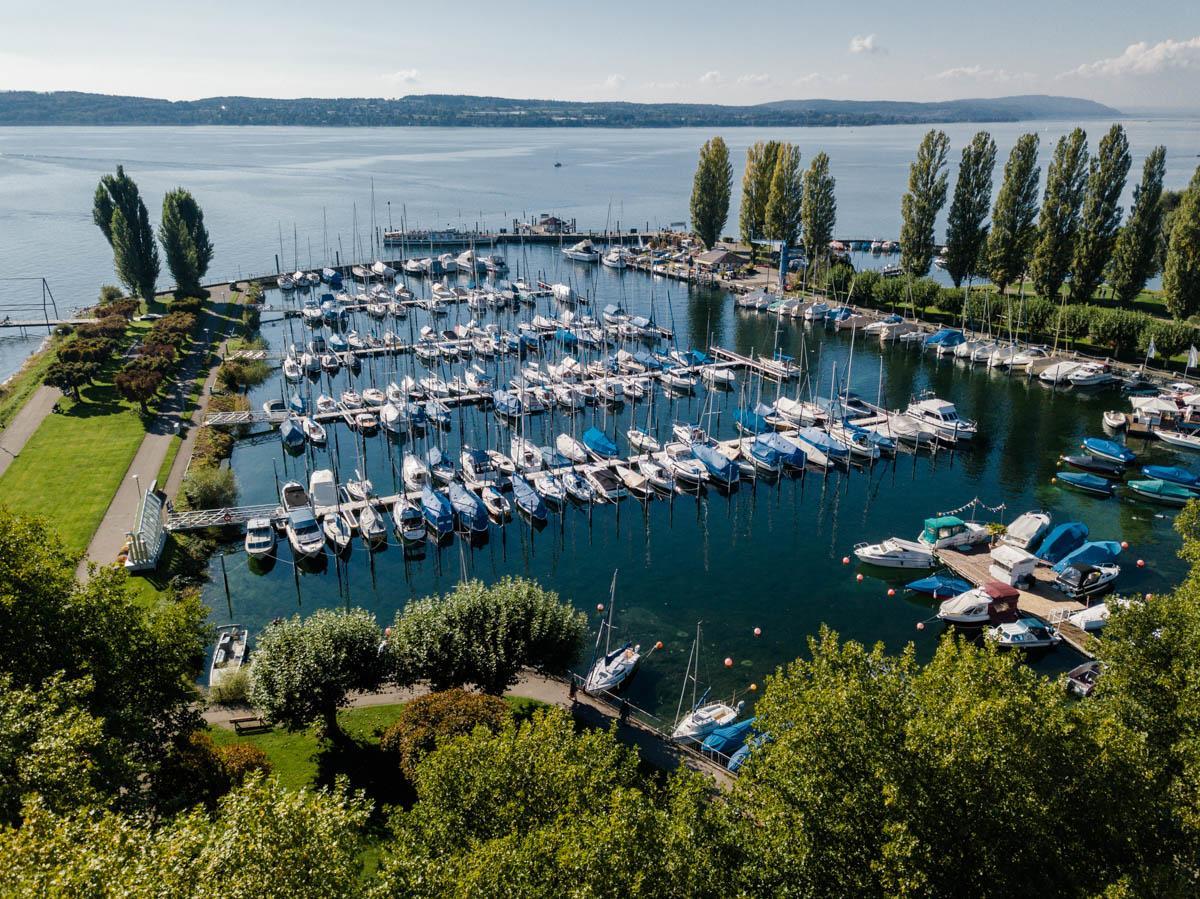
column 976, row 503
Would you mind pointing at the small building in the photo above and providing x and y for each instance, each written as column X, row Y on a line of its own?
column 720, row 259
column 544, row 224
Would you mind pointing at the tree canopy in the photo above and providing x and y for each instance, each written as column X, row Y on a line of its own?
column 185, row 240
column 1058, row 225
column 120, row 214
column 756, row 189
column 1181, row 275
column 920, row 205
column 783, row 204
column 1101, row 214
column 1010, row 241
column 818, row 209
column 1135, row 256
column 966, row 228
column 711, row 188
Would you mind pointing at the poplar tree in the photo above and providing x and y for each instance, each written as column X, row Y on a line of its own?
column 1135, row 258
column 185, row 240
column 1101, row 215
column 818, row 209
column 966, row 231
column 1181, row 275
column 783, row 203
column 927, row 183
column 710, row 191
column 1012, row 235
column 120, row 214
column 1058, row 227
column 756, row 189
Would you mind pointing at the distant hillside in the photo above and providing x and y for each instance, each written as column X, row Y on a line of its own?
column 74, row 108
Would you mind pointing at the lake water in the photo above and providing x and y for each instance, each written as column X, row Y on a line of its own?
column 768, row 556
column 255, row 183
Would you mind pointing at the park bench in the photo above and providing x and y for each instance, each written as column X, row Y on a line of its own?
column 250, row 724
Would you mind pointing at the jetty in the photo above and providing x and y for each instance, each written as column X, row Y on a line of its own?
column 1038, row 598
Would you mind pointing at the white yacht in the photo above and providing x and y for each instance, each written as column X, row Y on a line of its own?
column 1057, row 373
column 942, row 417
column 1092, row 374
column 895, row 552
column 975, row 606
column 584, row 251
column 260, row 537
column 414, row 472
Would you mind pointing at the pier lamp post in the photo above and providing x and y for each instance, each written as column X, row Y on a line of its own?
column 138, row 484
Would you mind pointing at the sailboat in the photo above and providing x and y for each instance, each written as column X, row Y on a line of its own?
column 610, row 670
column 704, row 717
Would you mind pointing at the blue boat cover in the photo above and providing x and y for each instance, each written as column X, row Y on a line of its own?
column 751, row 422
column 720, row 467
column 1097, row 552
column 939, row 586
column 729, row 738
column 1108, row 449
column 1173, row 473
column 527, row 498
column 597, row 441
column 1061, row 540
column 1086, row 481
column 792, row 455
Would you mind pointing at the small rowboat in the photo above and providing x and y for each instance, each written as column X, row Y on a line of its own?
column 1086, row 483
column 1115, row 420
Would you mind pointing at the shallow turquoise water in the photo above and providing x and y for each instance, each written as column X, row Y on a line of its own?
column 769, row 556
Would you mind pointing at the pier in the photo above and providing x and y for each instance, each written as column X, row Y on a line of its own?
column 1038, row 598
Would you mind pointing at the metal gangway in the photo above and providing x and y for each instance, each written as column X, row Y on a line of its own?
column 209, row 518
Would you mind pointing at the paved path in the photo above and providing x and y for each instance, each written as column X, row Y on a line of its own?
column 122, row 511
column 25, row 422
column 590, row 711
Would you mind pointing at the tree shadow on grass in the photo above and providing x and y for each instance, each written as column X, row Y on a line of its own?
column 368, row 768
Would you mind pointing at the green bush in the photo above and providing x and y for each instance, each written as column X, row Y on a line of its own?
column 1170, row 337
column 238, row 374
column 209, row 487
column 231, row 689
column 1039, row 316
column 125, row 308
column 866, row 287
column 440, row 716
column 110, row 293
column 186, row 304
column 891, row 293
column 923, row 293
column 240, row 760
column 838, row 278
column 1118, row 329
column 949, row 299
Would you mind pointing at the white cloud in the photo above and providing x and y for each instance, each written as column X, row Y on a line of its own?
column 866, row 44
column 1144, row 59
column 614, row 82
column 711, row 77
column 404, row 76
column 754, row 78
column 821, row 78
column 982, row 73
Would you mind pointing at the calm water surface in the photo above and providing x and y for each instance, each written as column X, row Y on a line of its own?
column 769, row 556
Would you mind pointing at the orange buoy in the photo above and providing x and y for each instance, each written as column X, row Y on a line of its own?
column 599, row 607
column 845, row 560
column 728, row 662
column 891, row 591
column 858, row 577
column 754, row 688
column 658, row 645
column 920, row 625
column 1141, row 563
column 1124, row 544
column 758, row 632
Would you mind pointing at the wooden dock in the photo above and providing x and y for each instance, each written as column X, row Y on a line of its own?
column 1039, row 598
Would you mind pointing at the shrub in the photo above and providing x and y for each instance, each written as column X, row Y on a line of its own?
column 192, row 772
column 238, row 374
column 172, row 326
column 212, row 446
column 1170, row 337
column 87, row 349
column 1039, row 315
column 111, row 326
column 866, row 287
column 138, row 385
column 125, row 308
column 1117, row 328
column 209, row 487
column 891, row 292
column 949, row 299
column 185, row 304
column 240, row 760
column 837, row 279
column 231, row 689
column 923, row 292
column 440, row 716
column 1072, row 321
column 110, row 293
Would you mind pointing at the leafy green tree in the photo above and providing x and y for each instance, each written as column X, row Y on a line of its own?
column 919, row 208
column 1170, row 203
column 1101, row 215
column 538, row 810
column 70, row 376
column 1118, row 329
column 1135, row 256
column 264, row 840
column 877, row 769
column 787, row 193
column 209, row 487
column 434, row 717
column 818, row 209
column 49, row 745
column 966, row 228
column 120, row 214
column 756, row 188
column 1058, row 226
column 185, row 240
column 484, row 636
column 1170, row 338
column 710, row 191
column 1181, row 275
column 303, row 671
column 1012, row 235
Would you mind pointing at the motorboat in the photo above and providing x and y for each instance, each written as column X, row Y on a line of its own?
column 1080, row 579
column 496, row 503
column 951, row 532
column 1002, row 355
column 292, row 370
column 1106, row 468
column 718, row 377
column 683, row 465
column 303, row 532
column 657, row 474
column 895, row 552
column 721, row 469
column 939, row 586
column 942, row 417
column 228, row 654
column 437, row 511
column 1181, row 439
column 1026, row 530
column 410, row 523
column 1173, row 474
column 1116, row 420
column 1093, row 552
column 291, row 432
column 1085, row 482
column 977, row 606
column 1061, row 541
column 1159, row 491
column 1081, row 680
column 598, row 445
column 606, row 484
column 617, row 257
column 1058, row 373
column 414, row 472
column 1092, row 374
column 1030, row 355
column 1108, row 449
column 983, row 352
column 260, row 537
column 584, row 251
column 1024, row 633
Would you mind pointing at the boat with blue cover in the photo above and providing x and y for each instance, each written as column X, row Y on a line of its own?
column 506, row 404
column 939, row 586
column 1095, row 552
column 1173, row 474
column 598, row 445
column 739, row 758
column 730, row 738
column 437, row 511
column 1164, row 492
column 291, row 432
column 720, row 468
column 1062, row 539
column 752, row 421
column 1086, row 482
column 789, row 453
column 469, row 509
column 1108, row 449
column 819, row 440
column 1094, row 465
column 527, row 499
column 764, row 456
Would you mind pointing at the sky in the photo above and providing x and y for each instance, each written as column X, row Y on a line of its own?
column 1137, row 56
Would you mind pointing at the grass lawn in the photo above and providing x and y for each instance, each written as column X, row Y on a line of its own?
column 300, row 760
column 71, row 467
column 164, row 470
column 23, row 384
